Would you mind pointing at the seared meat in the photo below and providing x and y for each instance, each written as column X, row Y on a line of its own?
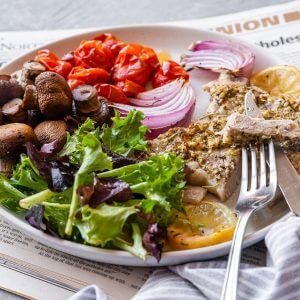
column 242, row 129
column 227, row 96
column 211, row 162
column 294, row 157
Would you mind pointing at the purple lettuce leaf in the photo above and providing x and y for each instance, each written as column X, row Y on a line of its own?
column 53, row 147
column 56, row 171
column 35, row 217
column 106, row 190
column 118, row 159
column 152, row 240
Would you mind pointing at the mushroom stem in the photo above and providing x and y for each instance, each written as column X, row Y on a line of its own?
column 30, row 97
column 7, row 166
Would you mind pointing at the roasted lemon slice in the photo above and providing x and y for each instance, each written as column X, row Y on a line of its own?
column 281, row 81
column 205, row 224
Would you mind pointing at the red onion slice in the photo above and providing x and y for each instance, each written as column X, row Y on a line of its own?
column 219, row 56
column 159, row 95
column 172, row 106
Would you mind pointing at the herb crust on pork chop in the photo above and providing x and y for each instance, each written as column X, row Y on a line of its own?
column 213, row 161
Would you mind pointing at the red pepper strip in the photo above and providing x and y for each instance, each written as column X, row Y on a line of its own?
column 112, row 93
column 52, row 63
column 169, row 71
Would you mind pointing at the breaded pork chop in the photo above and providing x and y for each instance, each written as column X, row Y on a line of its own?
column 227, row 96
column 211, row 162
column 214, row 162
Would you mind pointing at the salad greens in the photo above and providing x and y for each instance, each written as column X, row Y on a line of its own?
column 26, row 175
column 110, row 219
column 9, row 195
column 74, row 147
column 126, row 135
column 91, row 159
column 157, row 179
column 126, row 207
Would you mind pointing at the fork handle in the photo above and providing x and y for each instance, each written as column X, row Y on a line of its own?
column 229, row 291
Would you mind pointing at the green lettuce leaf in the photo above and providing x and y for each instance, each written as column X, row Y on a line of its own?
column 92, row 159
column 46, row 196
column 136, row 248
column 74, row 148
column 26, row 175
column 9, row 195
column 126, row 135
column 103, row 224
column 57, row 215
column 161, row 179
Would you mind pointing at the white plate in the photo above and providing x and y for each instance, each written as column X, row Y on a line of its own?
column 175, row 40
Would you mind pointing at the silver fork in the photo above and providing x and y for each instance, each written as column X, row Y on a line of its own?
column 254, row 194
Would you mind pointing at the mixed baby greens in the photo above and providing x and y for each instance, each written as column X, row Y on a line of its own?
column 93, row 190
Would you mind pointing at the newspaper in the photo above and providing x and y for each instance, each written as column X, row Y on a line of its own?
column 33, row 270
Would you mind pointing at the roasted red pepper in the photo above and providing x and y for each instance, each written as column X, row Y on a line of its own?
column 130, row 88
column 93, row 54
column 135, row 63
column 53, row 63
column 111, row 42
column 169, row 71
column 112, row 93
column 130, row 67
column 69, row 57
column 90, row 76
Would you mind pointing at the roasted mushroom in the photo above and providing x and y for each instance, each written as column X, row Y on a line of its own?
column 50, row 131
column 7, row 166
column 13, row 138
column 30, row 97
column 17, row 75
column 30, row 71
column 88, row 104
column 34, row 117
column 9, row 89
column 86, row 100
column 14, row 111
column 54, row 95
column 5, row 77
column 103, row 116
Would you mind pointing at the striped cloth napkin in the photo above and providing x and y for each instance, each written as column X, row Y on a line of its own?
column 279, row 279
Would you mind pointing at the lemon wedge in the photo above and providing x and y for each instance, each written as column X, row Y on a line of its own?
column 281, row 81
column 204, row 224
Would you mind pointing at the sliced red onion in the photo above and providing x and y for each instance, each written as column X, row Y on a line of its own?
column 159, row 95
column 172, row 104
column 219, row 56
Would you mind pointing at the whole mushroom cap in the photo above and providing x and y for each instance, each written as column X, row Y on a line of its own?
column 49, row 131
column 54, row 95
column 13, row 138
